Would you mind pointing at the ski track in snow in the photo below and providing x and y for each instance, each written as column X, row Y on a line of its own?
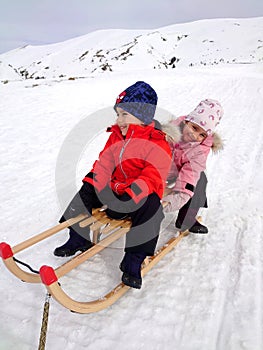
column 206, row 293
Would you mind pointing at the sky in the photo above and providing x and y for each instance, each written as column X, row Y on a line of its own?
column 40, row 22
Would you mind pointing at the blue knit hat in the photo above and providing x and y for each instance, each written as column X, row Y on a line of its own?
column 140, row 100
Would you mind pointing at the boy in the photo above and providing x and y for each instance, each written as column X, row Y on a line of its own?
column 129, row 177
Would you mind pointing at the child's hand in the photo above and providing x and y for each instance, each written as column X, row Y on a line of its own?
column 123, row 204
column 165, row 203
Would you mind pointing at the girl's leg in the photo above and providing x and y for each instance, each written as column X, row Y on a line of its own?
column 186, row 218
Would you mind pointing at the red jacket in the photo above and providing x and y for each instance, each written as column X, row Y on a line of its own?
column 141, row 159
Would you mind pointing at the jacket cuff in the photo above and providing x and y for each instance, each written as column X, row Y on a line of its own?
column 137, row 191
column 91, row 179
column 185, row 187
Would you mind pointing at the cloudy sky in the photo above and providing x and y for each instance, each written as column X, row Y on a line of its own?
column 39, row 22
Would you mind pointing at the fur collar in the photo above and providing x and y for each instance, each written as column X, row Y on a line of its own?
column 218, row 143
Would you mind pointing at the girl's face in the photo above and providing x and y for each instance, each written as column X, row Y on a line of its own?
column 124, row 119
column 193, row 133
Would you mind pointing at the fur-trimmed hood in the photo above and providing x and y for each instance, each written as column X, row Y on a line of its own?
column 173, row 135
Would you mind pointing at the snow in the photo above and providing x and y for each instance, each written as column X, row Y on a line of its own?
column 207, row 292
column 205, row 42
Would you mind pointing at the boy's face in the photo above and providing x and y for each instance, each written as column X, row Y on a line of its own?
column 193, row 133
column 124, row 119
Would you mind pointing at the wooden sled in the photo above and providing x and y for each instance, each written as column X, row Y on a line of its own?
column 100, row 225
column 50, row 278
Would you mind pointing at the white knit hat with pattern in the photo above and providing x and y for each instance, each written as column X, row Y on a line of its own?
column 207, row 115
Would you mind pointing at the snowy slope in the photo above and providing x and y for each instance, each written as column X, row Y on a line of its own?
column 207, row 293
column 206, row 42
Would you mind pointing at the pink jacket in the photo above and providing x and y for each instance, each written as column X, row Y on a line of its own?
column 189, row 159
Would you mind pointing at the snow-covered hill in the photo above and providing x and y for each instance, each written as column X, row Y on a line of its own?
column 206, row 294
column 206, row 42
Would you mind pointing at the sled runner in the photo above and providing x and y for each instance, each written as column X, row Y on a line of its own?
column 100, row 226
column 50, row 279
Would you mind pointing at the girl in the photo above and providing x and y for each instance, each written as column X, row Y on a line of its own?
column 186, row 176
column 129, row 177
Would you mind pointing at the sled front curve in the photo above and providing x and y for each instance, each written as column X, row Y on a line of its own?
column 50, row 279
column 7, row 252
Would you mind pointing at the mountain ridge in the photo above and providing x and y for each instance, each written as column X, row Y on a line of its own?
column 203, row 42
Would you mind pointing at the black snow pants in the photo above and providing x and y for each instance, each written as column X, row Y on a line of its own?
column 199, row 200
column 146, row 217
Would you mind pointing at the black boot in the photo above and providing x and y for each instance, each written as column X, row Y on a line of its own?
column 131, row 268
column 198, row 228
column 75, row 243
column 186, row 220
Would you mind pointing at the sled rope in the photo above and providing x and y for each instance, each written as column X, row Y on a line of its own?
column 43, row 332
column 23, row 263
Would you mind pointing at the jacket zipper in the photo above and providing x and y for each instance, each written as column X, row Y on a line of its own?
column 125, row 143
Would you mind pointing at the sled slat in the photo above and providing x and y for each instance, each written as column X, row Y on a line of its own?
column 96, row 216
column 88, row 221
column 112, row 225
column 98, row 224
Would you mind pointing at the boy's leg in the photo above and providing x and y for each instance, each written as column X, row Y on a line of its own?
column 75, row 243
column 145, row 228
column 186, row 218
column 141, row 240
column 79, row 238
